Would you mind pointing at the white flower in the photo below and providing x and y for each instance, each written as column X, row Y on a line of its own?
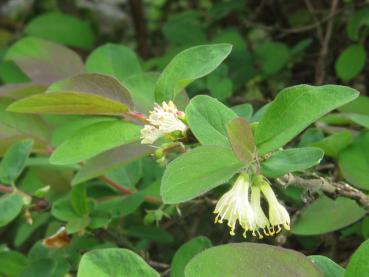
column 165, row 117
column 163, row 120
column 261, row 221
column 234, row 206
column 278, row 215
column 149, row 134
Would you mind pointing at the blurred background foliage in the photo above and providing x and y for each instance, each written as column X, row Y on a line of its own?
column 276, row 44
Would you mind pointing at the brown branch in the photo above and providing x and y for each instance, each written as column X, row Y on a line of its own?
column 333, row 189
column 138, row 18
column 5, row 189
column 321, row 64
column 148, row 198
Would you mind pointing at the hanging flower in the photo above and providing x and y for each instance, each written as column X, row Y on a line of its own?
column 234, row 206
column 164, row 119
column 278, row 215
column 242, row 204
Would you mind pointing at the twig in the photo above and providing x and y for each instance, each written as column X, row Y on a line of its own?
column 318, row 26
column 148, row 198
column 5, row 189
column 331, row 188
column 321, row 64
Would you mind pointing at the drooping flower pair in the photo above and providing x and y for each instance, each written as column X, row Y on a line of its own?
column 163, row 120
column 242, row 203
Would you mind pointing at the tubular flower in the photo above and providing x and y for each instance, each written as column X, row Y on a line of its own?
column 278, row 215
column 261, row 221
column 234, row 206
column 164, row 119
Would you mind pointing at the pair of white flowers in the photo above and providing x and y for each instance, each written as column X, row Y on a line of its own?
column 242, row 203
column 164, row 120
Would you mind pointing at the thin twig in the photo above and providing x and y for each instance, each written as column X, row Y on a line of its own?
column 330, row 188
column 311, row 9
column 5, row 189
column 321, row 64
column 148, row 198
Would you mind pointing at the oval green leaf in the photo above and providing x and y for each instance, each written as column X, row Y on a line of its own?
column 196, row 172
column 354, row 162
column 294, row 109
column 186, row 252
column 114, row 59
column 95, row 139
column 68, row 103
column 326, row 215
column 327, row 266
column 189, row 65
column 10, row 206
column 250, row 259
column 350, row 62
column 208, row 119
column 114, row 263
column 358, row 265
column 62, row 28
column 290, row 160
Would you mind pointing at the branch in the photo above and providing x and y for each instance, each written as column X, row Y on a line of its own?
column 148, row 198
column 321, row 65
column 333, row 189
column 5, row 189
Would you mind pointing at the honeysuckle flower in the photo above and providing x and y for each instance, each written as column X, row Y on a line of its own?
column 261, row 221
column 164, row 119
column 278, row 215
column 149, row 134
column 234, row 206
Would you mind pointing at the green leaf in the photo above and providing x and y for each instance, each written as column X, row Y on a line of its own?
column 196, row 172
column 22, row 126
column 350, row 62
column 354, row 162
column 358, row 265
column 114, row 59
column 219, row 84
column 250, row 259
column 70, row 128
column 290, row 160
column 151, row 233
column 358, row 20
column 243, row 110
column 240, row 137
column 326, row 215
column 44, row 61
column 187, row 66
column 68, row 103
column 95, row 139
column 41, row 267
column 78, row 198
column 12, row 263
column 62, row 28
column 14, row 161
column 334, row 144
column 294, row 109
column 111, row 159
column 121, row 206
column 358, row 106
column 185, row 28
column 208, row 118
column 114, row 263
column 10, row 73
column 142, row 89
column 97, row 84
column 186, row 252
column 63, row 210
column 10, row 206
column 272, row 56
column 327, row 266
column 360, row 119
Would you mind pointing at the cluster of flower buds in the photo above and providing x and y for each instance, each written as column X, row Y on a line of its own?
column 242, row 203
column 164, row 121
